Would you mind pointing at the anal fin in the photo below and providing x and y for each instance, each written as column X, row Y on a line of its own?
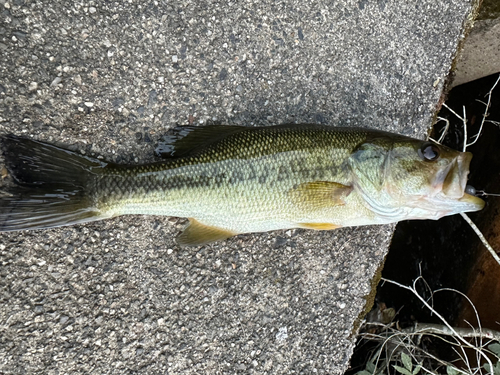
column 197, row 234
column 319, row 226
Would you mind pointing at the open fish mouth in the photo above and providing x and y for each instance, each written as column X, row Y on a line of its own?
column 455, row 176
column 454, row 185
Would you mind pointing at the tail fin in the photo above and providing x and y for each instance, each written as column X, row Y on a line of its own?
column 49, row 186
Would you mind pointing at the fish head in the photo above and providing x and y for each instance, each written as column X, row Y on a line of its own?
column 416, row 179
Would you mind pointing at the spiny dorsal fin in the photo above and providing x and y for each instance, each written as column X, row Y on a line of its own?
column 197, row 234
column 183, row 140
column 320, row 194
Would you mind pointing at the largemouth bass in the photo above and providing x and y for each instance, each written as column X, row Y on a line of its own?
column 229, row 180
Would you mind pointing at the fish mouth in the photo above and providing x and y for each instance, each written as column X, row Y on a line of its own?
column 455, row 182
column 455, row 176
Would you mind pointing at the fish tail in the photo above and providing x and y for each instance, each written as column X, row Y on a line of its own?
column 46, row 186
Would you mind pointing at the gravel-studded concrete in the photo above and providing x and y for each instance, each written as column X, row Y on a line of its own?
column 108, row 79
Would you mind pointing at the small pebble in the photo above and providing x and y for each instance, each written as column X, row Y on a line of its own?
column 33, row 86
column 223, row 74
column 56, row 81
column 38, row 309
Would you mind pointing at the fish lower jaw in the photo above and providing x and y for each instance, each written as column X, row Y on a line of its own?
column 436, row 209
column 447, row 205
column 476, row 203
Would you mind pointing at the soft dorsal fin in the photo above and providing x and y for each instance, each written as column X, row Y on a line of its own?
column 197, row 234
column 183, row 140
column 320, row 194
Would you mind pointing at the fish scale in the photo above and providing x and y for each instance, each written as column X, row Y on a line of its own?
column 241, row 183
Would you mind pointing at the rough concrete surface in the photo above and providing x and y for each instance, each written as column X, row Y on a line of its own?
column 480, row 54
column 108, row 78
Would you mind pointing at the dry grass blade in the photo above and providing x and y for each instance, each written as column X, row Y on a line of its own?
column 485, row 114
column 481, row 237
column 394, row 344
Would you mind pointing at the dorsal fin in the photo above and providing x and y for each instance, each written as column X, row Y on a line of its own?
column 183, row 140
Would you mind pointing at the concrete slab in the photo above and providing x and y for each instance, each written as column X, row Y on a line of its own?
column 479, row 56
column 108, row 78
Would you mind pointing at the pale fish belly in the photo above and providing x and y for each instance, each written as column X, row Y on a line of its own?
column 247, row 206
column 254, row 199
column 240, row 215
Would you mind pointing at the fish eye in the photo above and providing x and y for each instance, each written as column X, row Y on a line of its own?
column 429, row 152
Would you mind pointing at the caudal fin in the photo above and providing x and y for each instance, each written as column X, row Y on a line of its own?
column 49, row 186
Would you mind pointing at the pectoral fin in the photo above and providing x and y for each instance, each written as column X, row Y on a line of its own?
column 197, row 234
column 320, row 194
